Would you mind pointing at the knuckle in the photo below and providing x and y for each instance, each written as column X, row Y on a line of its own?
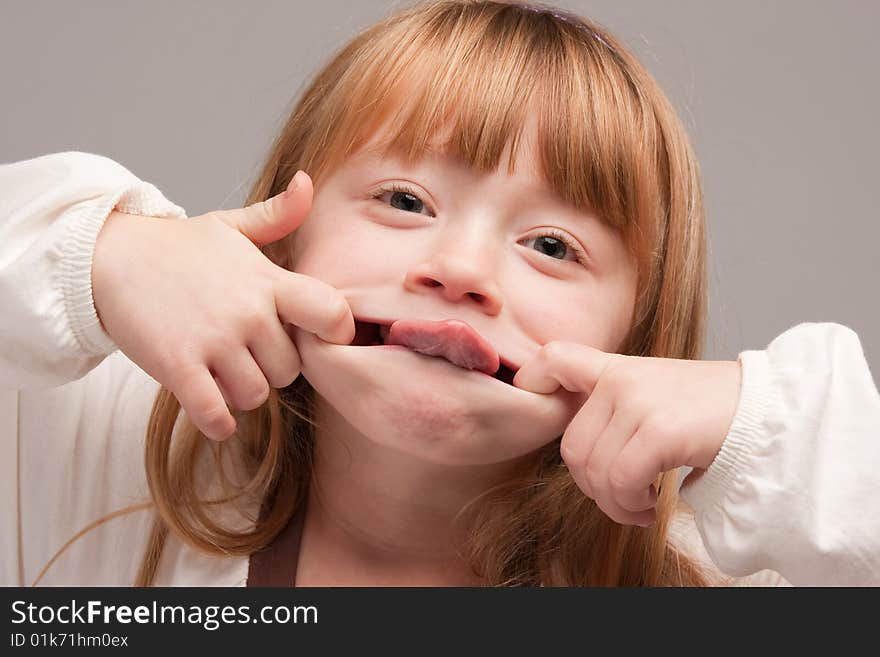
column 567, row 453
column 222, row 343
column 215, row 419
column 611, row 512
column 182, row 352
column 571, row 453
column 292, row 375
column 255, row 396
column 181, row 367
column 688, row 450
column 618, row 479
column 209, row 218
column 635, row 404
column 284, row 378
column 661, row 426
column 593, row 475
column 258, row 322
column 169, row 362
column 337, row 308
column 288, row 381
column 553, row 351
column 620, row 378
column 293, row 370
column 262, row 210
column 288, row 366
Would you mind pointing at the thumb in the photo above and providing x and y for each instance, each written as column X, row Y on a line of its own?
column 574, row 366
column 270, row 220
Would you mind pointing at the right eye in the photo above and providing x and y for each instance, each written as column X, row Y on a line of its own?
column 402, row 198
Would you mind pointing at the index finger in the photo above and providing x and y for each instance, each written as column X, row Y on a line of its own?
column 574, row 366
column 314, row 306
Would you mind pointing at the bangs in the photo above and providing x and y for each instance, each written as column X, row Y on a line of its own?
column 461, row 80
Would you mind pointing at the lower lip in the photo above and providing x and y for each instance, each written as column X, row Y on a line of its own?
column 401, row 347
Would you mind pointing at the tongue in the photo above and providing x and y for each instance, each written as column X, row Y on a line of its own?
column 453, row 339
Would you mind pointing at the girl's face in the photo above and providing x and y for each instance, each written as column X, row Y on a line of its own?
column 437, row 241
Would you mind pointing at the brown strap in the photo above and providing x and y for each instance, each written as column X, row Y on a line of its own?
column 275, row 565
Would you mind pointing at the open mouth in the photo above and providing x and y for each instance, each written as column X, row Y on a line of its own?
column 371, row 334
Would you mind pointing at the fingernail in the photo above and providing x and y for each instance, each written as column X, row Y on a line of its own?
column 293, row 184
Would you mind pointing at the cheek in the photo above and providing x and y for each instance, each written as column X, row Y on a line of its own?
column 333, row 254
column 596, row 317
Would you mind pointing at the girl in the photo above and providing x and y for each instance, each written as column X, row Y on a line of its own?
column 500, row 185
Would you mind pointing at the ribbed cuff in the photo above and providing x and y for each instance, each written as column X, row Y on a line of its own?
column 78, row 247
column 146, row 200
column 738, row 447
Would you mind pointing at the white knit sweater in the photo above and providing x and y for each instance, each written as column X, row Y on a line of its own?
column 792, row 492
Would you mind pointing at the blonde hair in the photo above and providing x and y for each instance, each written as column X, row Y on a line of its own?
column 609, row 142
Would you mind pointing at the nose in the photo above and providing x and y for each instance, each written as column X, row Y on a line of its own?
column 458, row 272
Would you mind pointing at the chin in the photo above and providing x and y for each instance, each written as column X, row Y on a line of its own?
column 429, row 408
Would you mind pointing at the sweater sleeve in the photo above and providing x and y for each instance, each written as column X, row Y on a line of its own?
column 793, row 489
column 72, row 421
column 51, row 210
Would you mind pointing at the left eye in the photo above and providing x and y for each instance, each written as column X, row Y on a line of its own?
column 553, row 242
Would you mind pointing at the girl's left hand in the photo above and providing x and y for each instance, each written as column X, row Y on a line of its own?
column 642, row 417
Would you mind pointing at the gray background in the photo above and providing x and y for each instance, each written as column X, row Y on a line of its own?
column 780, row 98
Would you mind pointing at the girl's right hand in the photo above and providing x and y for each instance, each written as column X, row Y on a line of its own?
column 201, row 309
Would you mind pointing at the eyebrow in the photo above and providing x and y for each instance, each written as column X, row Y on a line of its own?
column 378, row 150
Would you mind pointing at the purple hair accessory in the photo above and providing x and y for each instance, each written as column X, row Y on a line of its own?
column 566, row 18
